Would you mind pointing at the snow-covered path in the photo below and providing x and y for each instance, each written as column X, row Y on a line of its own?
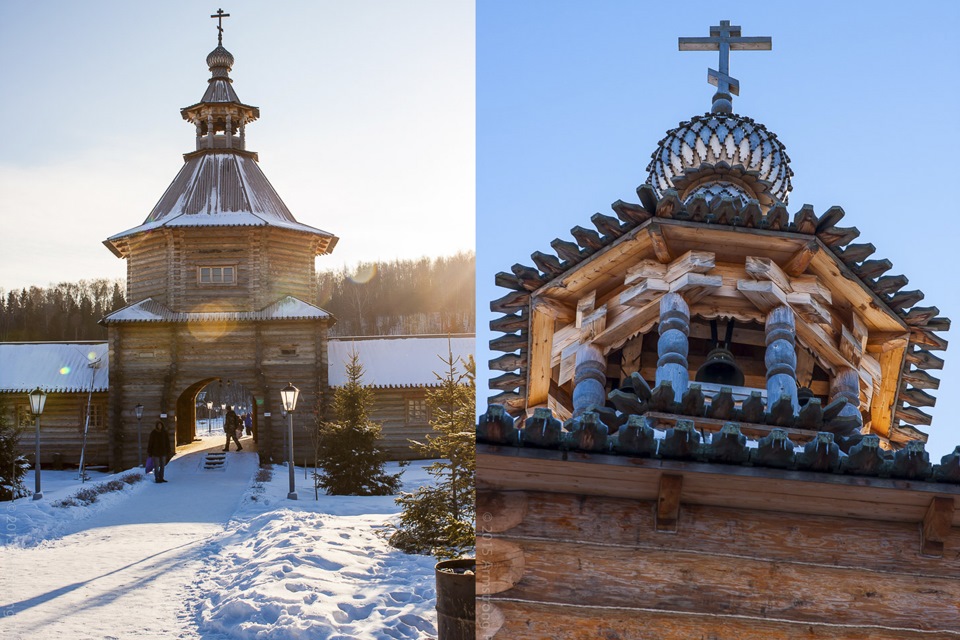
column 136, row 555
column 209, row 555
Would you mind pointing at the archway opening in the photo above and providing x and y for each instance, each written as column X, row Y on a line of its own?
column 201, row 408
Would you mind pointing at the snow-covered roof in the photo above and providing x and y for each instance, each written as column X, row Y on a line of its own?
column 53, row 366
column 403, row 361
column 224, row 188
column 149, row 310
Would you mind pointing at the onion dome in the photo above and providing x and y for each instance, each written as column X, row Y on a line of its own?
column 717, row 155
column 220, row 58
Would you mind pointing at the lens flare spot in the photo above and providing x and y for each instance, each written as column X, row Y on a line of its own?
column 64, row 370
column 364, row 273
column 92, row 356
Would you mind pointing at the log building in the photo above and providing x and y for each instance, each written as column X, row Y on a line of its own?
column 221, row 277
column 399, row 370
column 75, row 376
column 718, row 416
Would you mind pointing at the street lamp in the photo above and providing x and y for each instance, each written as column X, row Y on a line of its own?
column 139, row 411
column 37, row 399
column 288, row 396
column 209, row 410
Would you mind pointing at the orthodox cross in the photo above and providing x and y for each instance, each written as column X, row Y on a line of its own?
column 220, row 15
column 725, row 38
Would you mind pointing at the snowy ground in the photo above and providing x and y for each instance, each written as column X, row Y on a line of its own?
column 210, row 554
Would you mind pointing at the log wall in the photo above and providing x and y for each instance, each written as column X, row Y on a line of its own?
column 571, row 565
column 269, row 264
column 155, row 363
column 61, row 427
column 390, row 411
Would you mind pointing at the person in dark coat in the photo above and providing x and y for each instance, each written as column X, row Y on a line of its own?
column 158, row 448
column 230, row 425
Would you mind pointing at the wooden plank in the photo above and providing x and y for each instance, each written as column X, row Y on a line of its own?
column 542, row 324
column 800, row 260
column 658, row 242
column 881, row 409
column 555, row 571
column 536, row 619
column 762, row 268
column 668, row 502
column 848, row 289
column 769, row 536
column 765, row 294
column 809, row 308
column 639, row 295
column 507, row 468
column 936, row 526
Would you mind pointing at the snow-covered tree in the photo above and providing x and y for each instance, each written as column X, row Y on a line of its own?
column 438, row 519
column 351, row 459
column 13, row 466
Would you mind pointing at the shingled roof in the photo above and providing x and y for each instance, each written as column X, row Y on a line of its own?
column 854, row 261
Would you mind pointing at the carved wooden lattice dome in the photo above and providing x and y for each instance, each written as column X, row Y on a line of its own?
column 726, row 150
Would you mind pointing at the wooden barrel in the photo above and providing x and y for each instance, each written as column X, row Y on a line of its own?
column 456, row 599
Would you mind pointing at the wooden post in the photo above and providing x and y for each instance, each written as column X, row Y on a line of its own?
column 243, row 133
column 210, row 131
column 589, row 379
column 199, row 136
column 229, row 131
column 673, row 345
column 846, row 385
column 781, row 356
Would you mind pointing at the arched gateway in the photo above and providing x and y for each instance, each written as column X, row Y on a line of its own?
column 222, row 278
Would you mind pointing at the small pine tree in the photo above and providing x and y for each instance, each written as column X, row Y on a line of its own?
column 438, row 519
column 13, row 466
column 351, row 460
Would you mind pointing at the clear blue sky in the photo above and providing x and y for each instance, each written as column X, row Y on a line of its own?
column 572, row 98
column 366, row 129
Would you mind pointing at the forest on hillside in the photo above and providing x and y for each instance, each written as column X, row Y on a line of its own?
column 399, row 297
column 61, row 312
column 402, row 297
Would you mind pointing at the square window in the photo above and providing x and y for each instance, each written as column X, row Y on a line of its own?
column 417, row 411
column 97, row 413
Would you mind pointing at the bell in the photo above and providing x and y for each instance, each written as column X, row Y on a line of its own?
column 721, row 367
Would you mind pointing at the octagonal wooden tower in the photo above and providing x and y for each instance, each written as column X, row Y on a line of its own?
column 222, row 280
column 717, row 406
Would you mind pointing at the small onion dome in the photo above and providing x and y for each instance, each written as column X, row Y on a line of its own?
column 220, row 58
column 732, row 152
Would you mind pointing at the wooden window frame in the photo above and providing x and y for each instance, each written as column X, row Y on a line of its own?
column 98, row 415
column 213, row 269
column 415, row 410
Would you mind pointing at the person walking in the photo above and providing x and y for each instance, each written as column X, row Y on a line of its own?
column 230, row 425
column 158, row 448
column 248, row 424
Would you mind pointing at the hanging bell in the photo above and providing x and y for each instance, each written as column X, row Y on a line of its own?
column 721, row 367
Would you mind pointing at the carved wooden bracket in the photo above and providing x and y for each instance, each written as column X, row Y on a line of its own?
column 936, row 526
column 668, row 503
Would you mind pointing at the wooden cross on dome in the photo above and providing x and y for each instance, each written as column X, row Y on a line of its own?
column 725, row 38
column 220, row 15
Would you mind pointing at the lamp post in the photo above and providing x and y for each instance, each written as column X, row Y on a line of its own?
column 37, row 399
column 139, row 411
column 209, row 411
column 288, row 396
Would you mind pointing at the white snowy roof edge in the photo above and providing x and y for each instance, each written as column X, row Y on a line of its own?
column 55, row 367
column 149, row 310
column 398, row 362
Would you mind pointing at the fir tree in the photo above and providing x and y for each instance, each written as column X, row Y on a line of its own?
column 351, row 460
column 13, row 466
column 439, row 519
